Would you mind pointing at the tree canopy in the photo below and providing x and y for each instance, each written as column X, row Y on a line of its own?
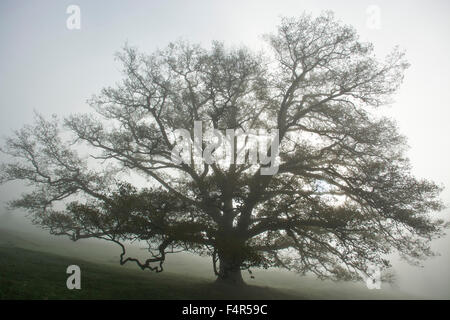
column 342, row 199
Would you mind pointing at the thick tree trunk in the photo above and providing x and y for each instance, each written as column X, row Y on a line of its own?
column 229, row 271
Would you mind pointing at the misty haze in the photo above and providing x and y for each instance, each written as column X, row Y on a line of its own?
column 212, row 150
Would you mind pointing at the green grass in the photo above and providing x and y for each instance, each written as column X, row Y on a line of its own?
column 26, row 274
column 33, row 266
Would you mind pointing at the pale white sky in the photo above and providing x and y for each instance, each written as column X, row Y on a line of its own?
column 45, row 66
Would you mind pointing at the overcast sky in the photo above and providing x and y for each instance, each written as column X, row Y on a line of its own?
column 44, row 66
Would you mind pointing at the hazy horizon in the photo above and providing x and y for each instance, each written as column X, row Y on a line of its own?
column 48, row 68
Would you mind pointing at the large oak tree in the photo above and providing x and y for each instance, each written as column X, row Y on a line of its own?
column 343, row 197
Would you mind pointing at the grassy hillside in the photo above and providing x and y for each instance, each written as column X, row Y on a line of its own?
column 34, row 267
column 27, row 274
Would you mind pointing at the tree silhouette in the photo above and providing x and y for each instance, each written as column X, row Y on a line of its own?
column 342, row 197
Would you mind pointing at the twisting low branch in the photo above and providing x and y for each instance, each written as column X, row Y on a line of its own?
column 343, row 197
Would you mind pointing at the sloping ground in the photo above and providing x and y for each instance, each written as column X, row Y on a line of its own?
column 34, row 267
column 27, row 274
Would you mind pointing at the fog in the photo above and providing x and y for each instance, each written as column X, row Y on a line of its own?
column 46, row 67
